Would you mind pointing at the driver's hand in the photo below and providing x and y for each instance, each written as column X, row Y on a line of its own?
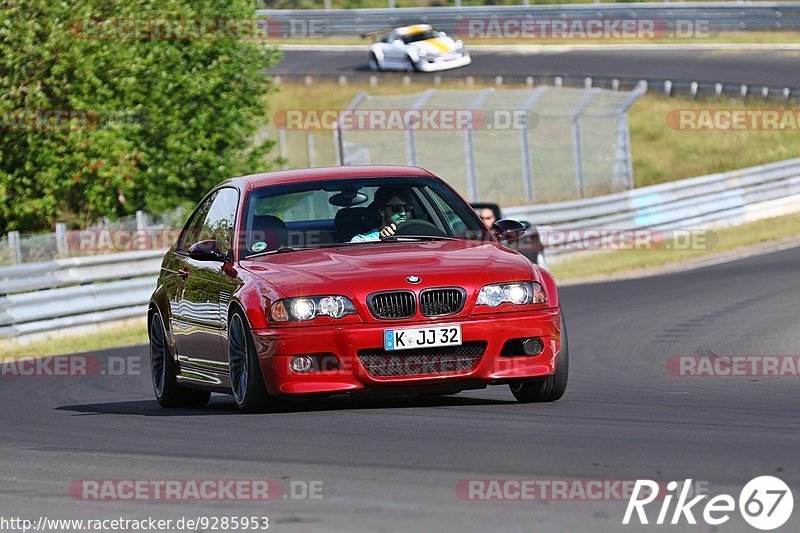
column 389, row 230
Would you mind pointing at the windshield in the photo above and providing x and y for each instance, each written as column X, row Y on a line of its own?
column 421, row 36
column 353, row 212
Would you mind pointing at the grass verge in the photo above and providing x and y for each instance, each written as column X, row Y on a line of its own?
column 663, row 153
column 131, row 332
column 604, row 265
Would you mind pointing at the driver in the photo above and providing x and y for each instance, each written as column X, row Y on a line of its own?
column 393, row 204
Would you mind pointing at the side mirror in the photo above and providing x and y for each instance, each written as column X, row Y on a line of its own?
column 208, row 250
column 508, row 230
column 397, row 43
column 442, row 34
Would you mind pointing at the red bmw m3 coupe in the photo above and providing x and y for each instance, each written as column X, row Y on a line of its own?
column 345, row 280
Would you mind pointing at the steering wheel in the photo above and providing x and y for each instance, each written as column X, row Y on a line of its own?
column 418, row 227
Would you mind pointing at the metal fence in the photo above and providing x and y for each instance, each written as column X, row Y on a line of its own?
column 515, row 146
column 131, row 233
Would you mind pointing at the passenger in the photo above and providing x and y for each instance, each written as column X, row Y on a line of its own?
column 487, row 215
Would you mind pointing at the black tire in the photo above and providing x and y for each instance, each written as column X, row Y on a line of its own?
column 247, row 382
column 373, row 62
column 549, row 388
column 410, row 65
column 163, row 371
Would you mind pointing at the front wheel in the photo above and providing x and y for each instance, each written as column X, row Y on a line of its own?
column 548, row 388
column 373, row 62
column 410, row 65
column 164, row 372
column 247, row 382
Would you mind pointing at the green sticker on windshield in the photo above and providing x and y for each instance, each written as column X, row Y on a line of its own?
column 260, row 246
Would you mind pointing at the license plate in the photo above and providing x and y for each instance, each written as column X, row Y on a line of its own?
column 409, row 338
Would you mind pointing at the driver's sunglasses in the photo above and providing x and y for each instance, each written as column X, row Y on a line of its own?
column 399, row 208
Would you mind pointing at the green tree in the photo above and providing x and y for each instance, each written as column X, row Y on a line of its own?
column 150, row 119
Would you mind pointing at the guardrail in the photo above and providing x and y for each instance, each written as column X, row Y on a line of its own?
column 723, row 199
column 65, row 293
column 720, row 16
column 61, row 294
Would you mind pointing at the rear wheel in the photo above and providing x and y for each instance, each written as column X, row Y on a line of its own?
column 548, row 388
column 164, row 372
column 247, row 382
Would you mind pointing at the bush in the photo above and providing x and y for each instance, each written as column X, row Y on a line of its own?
column 105, row 126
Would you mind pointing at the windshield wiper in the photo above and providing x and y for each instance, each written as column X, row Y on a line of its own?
column 280, row 250
column 285, row 248
column 391, row 238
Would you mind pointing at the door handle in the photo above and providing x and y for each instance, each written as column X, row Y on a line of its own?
column 184, row 273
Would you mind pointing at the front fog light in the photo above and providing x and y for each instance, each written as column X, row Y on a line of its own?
column 302, row 364
column 532, row 346
column 303, row 309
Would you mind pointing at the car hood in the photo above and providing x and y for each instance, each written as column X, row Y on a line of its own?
column 355, row 271
column 437, row 46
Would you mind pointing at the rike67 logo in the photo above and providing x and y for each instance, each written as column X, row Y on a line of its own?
column 766, row 503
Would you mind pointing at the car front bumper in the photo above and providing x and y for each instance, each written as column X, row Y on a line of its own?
column 444, row 64
column 276, row 347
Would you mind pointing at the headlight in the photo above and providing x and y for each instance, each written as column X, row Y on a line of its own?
column 303, row 308
column 459, row 45
column 312, row 307
column 423, row 53
column 517, row 293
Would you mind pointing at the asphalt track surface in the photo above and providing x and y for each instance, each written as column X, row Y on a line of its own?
column 741, row 66
column 393, row 464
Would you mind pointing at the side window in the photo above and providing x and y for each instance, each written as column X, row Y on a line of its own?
column 219, row 221
column 192, row 230
column 297, row 207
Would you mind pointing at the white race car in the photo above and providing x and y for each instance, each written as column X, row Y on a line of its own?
column 418, row 47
